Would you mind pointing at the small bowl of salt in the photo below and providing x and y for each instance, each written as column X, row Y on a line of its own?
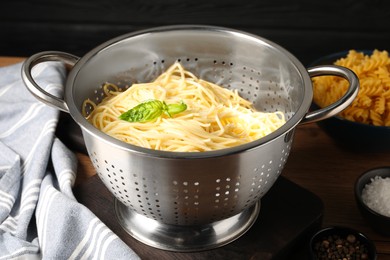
column 372, row 192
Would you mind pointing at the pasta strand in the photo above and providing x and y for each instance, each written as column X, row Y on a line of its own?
column 216, row 118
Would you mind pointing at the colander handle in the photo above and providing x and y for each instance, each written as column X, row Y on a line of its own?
column 343, row 102
column 42, row 95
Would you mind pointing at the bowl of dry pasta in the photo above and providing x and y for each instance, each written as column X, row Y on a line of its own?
column 366, row 122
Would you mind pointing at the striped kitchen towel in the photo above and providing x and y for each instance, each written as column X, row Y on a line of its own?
column 39, row 215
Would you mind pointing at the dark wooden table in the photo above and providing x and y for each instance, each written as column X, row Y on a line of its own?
column 316, row 163
column 330, row 170
column 327, row 169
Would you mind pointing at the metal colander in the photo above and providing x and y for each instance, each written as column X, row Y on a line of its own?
column 191, row 201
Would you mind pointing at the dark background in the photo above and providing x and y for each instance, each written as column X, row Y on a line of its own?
column 308, row 29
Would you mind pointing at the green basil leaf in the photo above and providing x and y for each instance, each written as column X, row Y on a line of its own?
column 143, row 112
column 150, row 110
column 173, row 109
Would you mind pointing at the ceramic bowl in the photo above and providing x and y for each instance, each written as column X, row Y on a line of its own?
column 352, row 134
column 379, row 222
column 330, row 238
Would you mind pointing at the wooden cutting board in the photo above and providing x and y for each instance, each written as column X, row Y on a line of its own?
column 288, row 216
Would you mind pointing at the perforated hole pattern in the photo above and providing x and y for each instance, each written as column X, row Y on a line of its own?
column 187, row 202
column 266, row 95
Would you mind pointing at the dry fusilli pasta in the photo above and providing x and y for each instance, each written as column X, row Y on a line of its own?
column 372, row 105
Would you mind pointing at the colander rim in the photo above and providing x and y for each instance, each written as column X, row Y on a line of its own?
column 88, row 128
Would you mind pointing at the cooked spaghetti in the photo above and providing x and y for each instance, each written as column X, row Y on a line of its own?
column 215, row 118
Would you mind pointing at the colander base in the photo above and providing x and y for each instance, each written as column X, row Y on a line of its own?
column 181, row 238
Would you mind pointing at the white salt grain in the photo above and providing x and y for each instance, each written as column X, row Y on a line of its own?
column 376, row 195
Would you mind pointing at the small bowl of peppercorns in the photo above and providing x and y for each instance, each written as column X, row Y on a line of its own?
column 341, row 243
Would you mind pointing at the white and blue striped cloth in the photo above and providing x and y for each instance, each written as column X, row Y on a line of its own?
column 39, row 215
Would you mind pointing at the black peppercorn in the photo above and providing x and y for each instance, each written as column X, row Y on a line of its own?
column 338, row 247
